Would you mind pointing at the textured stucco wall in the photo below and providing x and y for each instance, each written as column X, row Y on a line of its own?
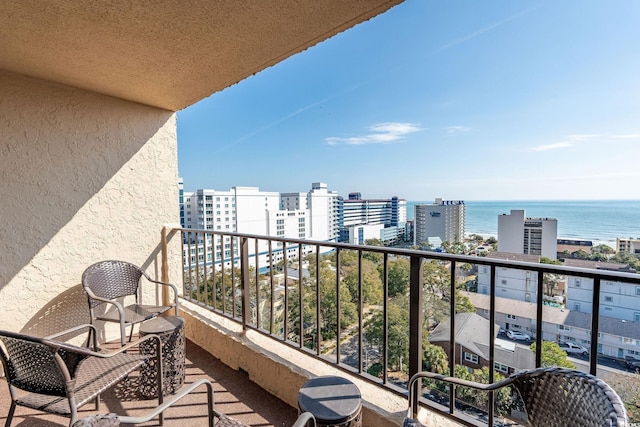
column 83, row 177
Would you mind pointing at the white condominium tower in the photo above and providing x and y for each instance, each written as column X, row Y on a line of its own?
column 323, row 207
column 443, row 220
column 248, row 210
column 521, row 235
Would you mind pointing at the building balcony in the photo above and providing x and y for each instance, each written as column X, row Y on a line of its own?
column 243, row 326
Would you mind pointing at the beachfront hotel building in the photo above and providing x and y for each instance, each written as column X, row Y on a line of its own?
column 363, row 219
column 442, row 221
column 628, row 245
column 313, row 215
column 522, row 235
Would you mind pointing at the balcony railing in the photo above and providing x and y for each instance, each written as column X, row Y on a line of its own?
column 294, row 291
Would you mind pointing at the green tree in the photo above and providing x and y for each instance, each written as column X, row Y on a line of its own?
column 434, row 358
column 454, row 247
column 632, row 260
column 553, row 355
column 398, row 270
column 581, row 254
column 398, row 331
column 371, row 283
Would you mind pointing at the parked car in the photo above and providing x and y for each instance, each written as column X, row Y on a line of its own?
column 573, row 348
column 521, row 336
column 633, row 364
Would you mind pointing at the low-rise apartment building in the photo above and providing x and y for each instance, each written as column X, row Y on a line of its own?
column 510, row 283
column 472, row 345
column 617, row 338
column 617, row 300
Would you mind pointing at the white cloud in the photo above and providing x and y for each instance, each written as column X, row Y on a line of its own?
column 381, row 133
column 553, row 146
column 627, row 136
column 457, row 129
column 570, row 141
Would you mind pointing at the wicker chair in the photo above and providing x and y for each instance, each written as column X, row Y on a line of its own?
column 106, row 281
column 551, row 396
column 56, row 377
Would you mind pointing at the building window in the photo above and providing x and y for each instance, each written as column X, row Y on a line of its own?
column 577, row 283
column 470, row 357
column 576, row 306
column 637, row 290
column 511, row 316
column 503, row 282
column 501, row 368
column 636, row 317
column 608, row 299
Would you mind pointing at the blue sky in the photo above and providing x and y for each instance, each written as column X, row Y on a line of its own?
column 471, row 100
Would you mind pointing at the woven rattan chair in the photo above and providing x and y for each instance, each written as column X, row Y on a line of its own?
column 551, row 396
column 56, row 377
column 106, row 281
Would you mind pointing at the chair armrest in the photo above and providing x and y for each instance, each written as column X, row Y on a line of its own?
column 70, row 330
column 451, row 380
column 92, row 333
column 173, row 399
column 304, row 420
column 459, row 381
column 171, row 285
column 119, row 306
column 105, row 355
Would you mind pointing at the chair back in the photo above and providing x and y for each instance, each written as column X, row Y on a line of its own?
column 559, row 396
column 36, row 365
column 111, row 280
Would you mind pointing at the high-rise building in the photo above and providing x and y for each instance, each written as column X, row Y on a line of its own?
column 363, row 219
column 312, row 216
column 521, row 235
column 441, row 221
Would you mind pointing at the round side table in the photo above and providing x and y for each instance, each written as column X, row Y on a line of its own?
column 334, row 401
column 170, row 329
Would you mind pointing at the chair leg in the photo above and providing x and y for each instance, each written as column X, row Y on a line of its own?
column 10, row 414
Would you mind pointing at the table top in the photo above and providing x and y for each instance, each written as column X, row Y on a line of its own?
column 161, row 324
column 330, row 398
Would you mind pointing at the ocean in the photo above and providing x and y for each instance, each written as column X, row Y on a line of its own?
column 600, row 221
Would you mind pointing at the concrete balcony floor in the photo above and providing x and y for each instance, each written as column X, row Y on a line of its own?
column 234, row 394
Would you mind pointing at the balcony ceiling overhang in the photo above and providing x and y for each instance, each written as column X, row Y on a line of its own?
column 165, row 53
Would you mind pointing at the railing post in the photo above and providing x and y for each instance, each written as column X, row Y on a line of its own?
column 244, row 281
column 416, row 317
column 165, row 267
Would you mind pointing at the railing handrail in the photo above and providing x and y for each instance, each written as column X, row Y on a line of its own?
column 416, row 309
column 441, row 256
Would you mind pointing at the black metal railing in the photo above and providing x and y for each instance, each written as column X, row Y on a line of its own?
column 294, row 291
